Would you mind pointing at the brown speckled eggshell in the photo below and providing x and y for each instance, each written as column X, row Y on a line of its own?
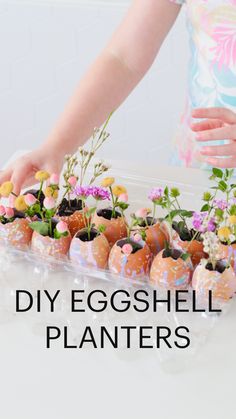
column 48, row 246
column 228, row 253
column 156, row 238
column 136, row 265
column 75, row 222
column 195, row 248
column 17, row 233
column 93, row 253
column 116, row 228
column 222, row 285
column 170, row 273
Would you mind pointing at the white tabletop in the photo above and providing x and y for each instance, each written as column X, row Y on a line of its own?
column 37, row 383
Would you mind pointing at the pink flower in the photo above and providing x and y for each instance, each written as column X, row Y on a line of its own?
column 49, row 203
column 62, row 227
column 142, row 213
column 30, row 199
column 155, row 194
column 9, row 213
column 123, row 198
column 54, row 179
column 127, row 249
column 2, row 211
column 72, row 181
column 137, row 238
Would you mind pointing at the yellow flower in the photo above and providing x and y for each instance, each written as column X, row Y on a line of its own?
column 108, row 181
column 232, row 220
column 42, row 175
column 118, row 190
column 6, row 189
column 224, row 233
column 20, row 204
column 50, row 192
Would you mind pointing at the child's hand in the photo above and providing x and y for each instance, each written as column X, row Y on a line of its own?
column 22, row 171
column 219, row 124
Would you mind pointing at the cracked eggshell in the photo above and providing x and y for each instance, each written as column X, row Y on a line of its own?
column 169, row 273
column 116, row 228
column 47, row 246
column 92, row 253
column 17, row 233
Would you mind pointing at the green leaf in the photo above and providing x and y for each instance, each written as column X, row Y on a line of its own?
column 222, row 186
column 185, row 256
column 101, row 228
column 41, row 227
column 217, row 172
column 205, row 208
column 122, row 205
column 166, row 191
column 90, row 212
column 207, row 196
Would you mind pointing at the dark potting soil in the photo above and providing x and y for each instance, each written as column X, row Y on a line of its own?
column 136, row 246
column 107, row 213
column 220, row 267
column 67, row 208
column 150, row 221
column 185, row 234
column 173, row 253
column 83, row 235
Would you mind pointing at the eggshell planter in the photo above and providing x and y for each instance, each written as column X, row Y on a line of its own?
column 72, row 214
column 222, row 284
column 93, row 252
column 194, row 248
column 48, row 246
column 17, row 233
column 170, row 272
column 156, row 235
column 228, row 252
column 135, row 265
column 116, row 228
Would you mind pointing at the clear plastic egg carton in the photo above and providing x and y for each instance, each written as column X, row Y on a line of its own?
column 24, row 270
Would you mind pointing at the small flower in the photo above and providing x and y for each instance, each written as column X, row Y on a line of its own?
column 2, row 211
column 198, row 221
column 108, row 181
column 30, row 200
column 142, row 213
column 232, row 220
column 224, row 233
column 137, row 238
column 119, row 190
column 100, row 194
column 51, row 192
column 155, row 194
column 127, row 249
column 54, row 179
column 123, row 198
column 9, row 213
column 73, row 181
column 82, row 192
column 49, row 203
column 42, row 175
column 211, row 226
column 20, row 203
column 221, row 204
column 6, row 189
column 62, row 227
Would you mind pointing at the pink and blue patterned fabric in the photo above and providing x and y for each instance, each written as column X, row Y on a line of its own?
column 212, row 68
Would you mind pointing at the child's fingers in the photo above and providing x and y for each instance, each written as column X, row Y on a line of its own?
column 19, row 175
column 206, row 125
column 224, row 133
column 224, row 114
column 220, row 150
column 229, row 163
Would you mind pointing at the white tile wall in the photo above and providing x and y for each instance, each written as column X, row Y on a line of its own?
column 45, row 48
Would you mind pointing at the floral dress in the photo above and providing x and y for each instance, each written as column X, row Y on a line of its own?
column 212, row 69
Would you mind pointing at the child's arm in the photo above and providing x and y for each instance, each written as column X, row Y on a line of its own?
column 111, row 78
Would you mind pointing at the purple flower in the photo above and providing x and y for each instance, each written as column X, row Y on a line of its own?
column 82, row 192
column 211, row 225
column 155, row 194
column 98, row 193
column 198, row 219
column 221, row 204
